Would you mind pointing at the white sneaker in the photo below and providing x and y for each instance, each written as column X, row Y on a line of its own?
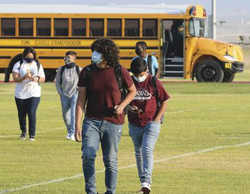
column 72, row 137
column 146, row 188
column 32, row 138
column 68, row 136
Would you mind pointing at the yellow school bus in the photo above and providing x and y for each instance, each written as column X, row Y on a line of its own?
column 175, row 34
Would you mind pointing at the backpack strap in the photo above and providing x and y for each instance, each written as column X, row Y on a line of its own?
column 21, row 62
column 150, row 64
column 154, row 80
column 78, row 70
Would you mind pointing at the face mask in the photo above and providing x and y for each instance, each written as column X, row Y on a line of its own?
column 96, row 57
column 138, row 51
column 29, row 60
column 140, row 79
column 67, row 60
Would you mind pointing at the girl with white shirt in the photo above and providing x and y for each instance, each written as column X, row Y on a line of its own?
column 28, row 74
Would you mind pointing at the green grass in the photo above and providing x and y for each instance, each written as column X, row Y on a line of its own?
column 199, row 116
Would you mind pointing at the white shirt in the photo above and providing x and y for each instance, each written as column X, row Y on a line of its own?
column 27, row 88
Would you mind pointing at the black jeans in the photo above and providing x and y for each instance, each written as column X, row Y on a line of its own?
column 24, row 107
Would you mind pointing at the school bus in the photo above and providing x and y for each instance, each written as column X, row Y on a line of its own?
column 175, row 34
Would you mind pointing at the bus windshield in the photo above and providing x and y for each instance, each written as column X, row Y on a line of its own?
column 198, row 27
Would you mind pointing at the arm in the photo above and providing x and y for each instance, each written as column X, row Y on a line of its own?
column 131, row 94
column 161, row 111
column 80, row 108
column 17, row 77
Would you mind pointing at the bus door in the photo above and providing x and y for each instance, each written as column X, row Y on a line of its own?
column 173, row 48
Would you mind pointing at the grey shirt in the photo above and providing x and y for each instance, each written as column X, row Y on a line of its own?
column 69, row 81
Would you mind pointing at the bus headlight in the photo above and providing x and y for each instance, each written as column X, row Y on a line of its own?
column 229, row 58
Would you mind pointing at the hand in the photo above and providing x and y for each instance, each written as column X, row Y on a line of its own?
column 134, row 109
column 78, row 135
column 36, row 79
column 118, row 110
column 28, row 75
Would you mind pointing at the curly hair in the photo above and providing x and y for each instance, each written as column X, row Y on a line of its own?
column 108, row 49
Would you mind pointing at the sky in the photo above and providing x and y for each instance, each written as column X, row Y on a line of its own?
column 227, row 10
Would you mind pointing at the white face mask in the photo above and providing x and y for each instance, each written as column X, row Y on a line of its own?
column 96, row 57
column 140, row 79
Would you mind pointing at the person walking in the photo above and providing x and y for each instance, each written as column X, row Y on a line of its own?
column 28, row 73
column 67, row 78
column 104, row 116
column 152, row 64
column 147, row 109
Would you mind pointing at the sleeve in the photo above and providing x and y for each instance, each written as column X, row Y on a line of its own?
column 82, row 79
column 41, row 71
column 154, row 63
column 58, row 80
column 16, row 67
column 127, row 78
column 162, row 93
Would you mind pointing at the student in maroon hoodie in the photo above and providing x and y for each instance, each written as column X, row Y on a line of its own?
column 145, row 120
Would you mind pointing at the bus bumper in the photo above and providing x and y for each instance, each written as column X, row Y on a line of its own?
column 235, row 67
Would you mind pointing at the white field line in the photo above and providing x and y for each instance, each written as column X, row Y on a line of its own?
column 125, row 167
column 7, row 136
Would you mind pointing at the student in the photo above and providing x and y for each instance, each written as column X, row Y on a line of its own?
column 66, row 84
column 104, row 115
column 28, row 74
column 141, row 51
column 145, row 120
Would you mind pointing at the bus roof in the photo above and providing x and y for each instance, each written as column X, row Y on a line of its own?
column 93, row 9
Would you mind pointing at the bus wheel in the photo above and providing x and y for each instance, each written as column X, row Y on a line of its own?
column 228, row 77
column 209, row 71
column 50, row 75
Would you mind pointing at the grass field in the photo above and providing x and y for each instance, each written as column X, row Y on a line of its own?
column 203, row 147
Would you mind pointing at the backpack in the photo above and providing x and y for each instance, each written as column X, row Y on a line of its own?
column 154, row 79
column 37, row 63
column 63, row 68
column 149, row 61
column 119, row 79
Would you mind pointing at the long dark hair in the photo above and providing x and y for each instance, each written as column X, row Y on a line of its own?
column 29, row 50
column 108, row 49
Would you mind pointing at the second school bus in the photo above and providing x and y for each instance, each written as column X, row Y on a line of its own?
column 175, row 34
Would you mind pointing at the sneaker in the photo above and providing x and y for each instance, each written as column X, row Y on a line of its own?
column 23, row 136
column 146, row 188
column 68, row 136
column 32, row 138
column 72, row 137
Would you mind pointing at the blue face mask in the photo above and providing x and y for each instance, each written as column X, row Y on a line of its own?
column 29, row 60
column 96, row 57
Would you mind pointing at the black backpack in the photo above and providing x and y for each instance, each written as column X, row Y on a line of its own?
column 149, row 61
column 119, row 79
column 37, row 63
column 63, row 68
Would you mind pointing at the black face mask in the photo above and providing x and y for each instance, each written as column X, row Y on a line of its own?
column 29, row 60
column 138, row 51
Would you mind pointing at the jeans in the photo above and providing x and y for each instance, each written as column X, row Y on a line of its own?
column 144, row 139
column 68, row 112
column 24, row 107
column 109, row 134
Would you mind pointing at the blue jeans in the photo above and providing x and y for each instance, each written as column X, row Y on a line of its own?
column 24, row 107
column 144, row 139
column 109, row 134
column 68, row 112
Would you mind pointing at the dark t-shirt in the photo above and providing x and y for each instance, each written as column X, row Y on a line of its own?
column 103, row 93
column 145, row 100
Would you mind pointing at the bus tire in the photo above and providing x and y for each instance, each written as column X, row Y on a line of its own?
column 228, row 77
column 50, row 75
column 209, row 71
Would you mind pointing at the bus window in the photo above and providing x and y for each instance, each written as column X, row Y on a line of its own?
column 132, row 27
column 114, row 27
column 149, row 27
column 96, row 27
column 197, row 27
column 8, row 26
column 25, row 27
column 43, row 27
column 78, row 27
column 61, row 27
